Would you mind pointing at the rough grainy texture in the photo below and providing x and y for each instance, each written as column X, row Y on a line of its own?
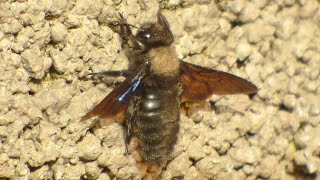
column 48, row 46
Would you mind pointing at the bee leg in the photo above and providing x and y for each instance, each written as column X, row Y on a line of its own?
column 128, row 135
column 168, row 36
column 219, row 109
column 193, row 109
column 124, row 73
column 125, row 30
column 129, row 41
column 130, row 120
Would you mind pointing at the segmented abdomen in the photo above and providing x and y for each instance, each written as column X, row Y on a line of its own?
column 157, row 123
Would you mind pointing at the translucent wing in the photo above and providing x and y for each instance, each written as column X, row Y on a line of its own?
column 199, row 83
column 111, row 108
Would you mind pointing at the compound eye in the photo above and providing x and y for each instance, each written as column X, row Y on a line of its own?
column 146, row 36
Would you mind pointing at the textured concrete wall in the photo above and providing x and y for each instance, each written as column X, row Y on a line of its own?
column 48, row 46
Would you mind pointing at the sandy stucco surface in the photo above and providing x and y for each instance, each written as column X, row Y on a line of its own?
column 48, row 46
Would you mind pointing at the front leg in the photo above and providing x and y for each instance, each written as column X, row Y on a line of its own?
column 129, row 41
column 125, row 31
column 124, row 73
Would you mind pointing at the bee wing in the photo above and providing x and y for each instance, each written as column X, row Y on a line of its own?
column 199, row 83
column 112, row 107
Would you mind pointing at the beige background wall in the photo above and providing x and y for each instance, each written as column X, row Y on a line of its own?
column 48, row 46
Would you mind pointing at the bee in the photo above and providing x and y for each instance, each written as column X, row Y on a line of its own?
column 147, row 102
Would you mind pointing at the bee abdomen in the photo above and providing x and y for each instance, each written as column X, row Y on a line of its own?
column 155, row 146
column 152, row 105
column 157, row 126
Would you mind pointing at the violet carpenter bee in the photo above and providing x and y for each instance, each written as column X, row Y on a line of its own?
column 147, row 103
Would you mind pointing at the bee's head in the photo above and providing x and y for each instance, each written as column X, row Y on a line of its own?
column 155, row 34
